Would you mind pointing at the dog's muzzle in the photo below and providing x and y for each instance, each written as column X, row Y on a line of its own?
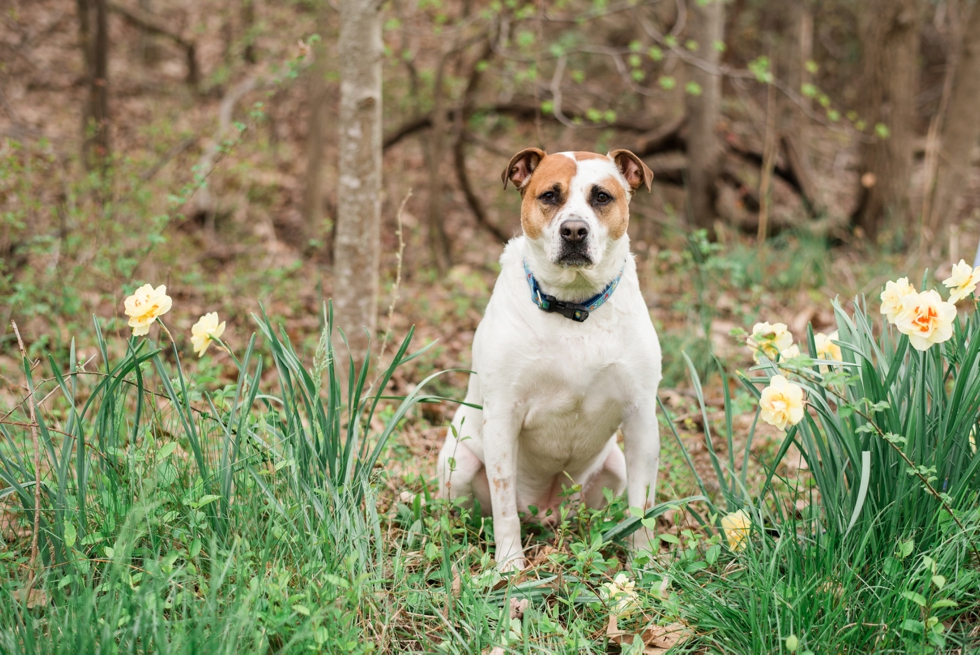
column 574, row 248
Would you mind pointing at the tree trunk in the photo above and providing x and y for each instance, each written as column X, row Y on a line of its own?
column 434, row 147
column 792, row 28
column 961, row 130
column 707, row 23
column 357, row 233
column 94, row 37
column 890, row 31
column 315, row 138
column 248, row 30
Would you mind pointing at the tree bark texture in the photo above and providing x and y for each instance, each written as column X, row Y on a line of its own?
column 315, row 134
column 434, row 147
column 706, row 23
column 357, row 233
column 94, row 37
column 890, row 32
column 792, row 28
column 961, row 129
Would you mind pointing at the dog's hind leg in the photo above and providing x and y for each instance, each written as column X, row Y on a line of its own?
column 611, row 475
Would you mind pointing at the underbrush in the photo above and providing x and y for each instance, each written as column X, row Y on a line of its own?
column 876, row 549
column 178, row 515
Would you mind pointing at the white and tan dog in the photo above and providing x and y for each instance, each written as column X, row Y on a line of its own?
column 565, row 355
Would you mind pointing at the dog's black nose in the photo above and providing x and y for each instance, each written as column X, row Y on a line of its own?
column 574, row 231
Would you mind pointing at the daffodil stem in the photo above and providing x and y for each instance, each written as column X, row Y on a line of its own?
column 221, row 344
column 169, row 336
column 912, row 467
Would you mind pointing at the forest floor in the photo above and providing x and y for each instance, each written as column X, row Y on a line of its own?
column 71, row 254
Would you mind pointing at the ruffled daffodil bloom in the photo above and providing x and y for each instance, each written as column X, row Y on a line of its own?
column 891, row 297
column 145, row 306
column 737, row 527
column 963, row 281
column 769, row 340
column 205, row 331
column 926, row 318
column 620, row 595
column 826, row 348
column 781, row 403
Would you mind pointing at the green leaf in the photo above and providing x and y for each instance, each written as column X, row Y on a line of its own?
column 939, row 581
column 669, row 538
column 166, row 450
column 693, row 88
column 207, row 499
column 913, row 626
column 195, row 549
column 667, row 82
column 301, row 609
column 70, row 535
column 916, row 598
column 944, row 602
column 882, row 130
column 792, row 643
column 336, row 581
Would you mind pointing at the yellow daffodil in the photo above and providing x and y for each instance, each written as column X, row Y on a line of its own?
column 891, row 297
column 737, row 527
column 620, row 595
column 826, row 348
column 204, row 331
column 963, row 281
column 781, row 403
column 145, row 306
column 926, row 318
column 790, row 353
column 769, row 339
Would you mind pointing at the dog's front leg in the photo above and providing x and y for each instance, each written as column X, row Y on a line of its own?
column 502, row 424
column 641, row 437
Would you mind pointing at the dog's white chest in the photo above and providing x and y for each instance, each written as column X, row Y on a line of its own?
column 569, row 417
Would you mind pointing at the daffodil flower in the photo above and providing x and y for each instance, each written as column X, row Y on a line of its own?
column 145, row 306
column 205, row 331
column 963, row 281
column 770, row 339
column 737, row 527
column 926, row 318
column 781, row 403
column 891, row 297
column 620, row 595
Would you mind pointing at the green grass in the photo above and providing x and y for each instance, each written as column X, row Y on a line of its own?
column 180, row 515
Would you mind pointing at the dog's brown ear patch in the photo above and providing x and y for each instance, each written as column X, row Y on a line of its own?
column 521, row 166
column 633, row 169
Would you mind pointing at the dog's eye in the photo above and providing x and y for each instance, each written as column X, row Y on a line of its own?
column 602, row 197
column 548, row 196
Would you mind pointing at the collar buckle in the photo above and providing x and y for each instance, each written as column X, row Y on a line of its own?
column 574, row 311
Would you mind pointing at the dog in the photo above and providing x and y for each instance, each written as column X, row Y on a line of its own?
column 566, row 355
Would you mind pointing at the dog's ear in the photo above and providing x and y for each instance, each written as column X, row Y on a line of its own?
column 521, row 166
column 633, row 169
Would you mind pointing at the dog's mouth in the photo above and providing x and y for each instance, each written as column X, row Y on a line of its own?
column 574, row 256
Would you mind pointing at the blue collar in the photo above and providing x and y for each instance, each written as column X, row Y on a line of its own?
column 578, row 312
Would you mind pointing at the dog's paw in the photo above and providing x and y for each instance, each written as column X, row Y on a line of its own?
column 513, row 563
column 642, row 540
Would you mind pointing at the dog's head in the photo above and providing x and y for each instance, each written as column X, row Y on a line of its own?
column 576, row 204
